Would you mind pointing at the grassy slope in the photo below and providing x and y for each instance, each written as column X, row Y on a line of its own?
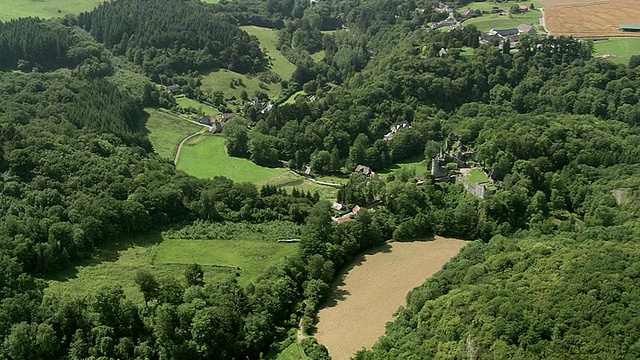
column 622, row 48
column 221, row 81
column 487, row 22
column 11, row 9
column 252, row 257
column 186, row 103
column 268, row 39
column 166, row 131
column 205, row 157
column 288, row 181
column 292, row 352
column 117, row 264
column 418, row 163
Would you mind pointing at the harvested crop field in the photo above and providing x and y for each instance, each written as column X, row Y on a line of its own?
column 591, row 19
column 373, row 288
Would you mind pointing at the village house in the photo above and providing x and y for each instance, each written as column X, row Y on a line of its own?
column 362, row 169
column 523, row 8
column 174, row 89
column 450, row 21
column 395, row 127
column 227, row 116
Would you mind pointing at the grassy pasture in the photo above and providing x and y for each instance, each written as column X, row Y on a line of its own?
column 268, row 39
column 487, row 22
column 418, row 163
column 185, row 103
column 12, row 9
column 166, row 131
column 221, row 81
column 205, row 157
column 621, row 48
column 168, row 258
column 251, row 257
column 292, row 352
column 288, row 181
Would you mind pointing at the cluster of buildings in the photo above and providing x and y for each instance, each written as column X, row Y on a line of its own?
column 456, row 164
column 502, row 35
column 215, row 125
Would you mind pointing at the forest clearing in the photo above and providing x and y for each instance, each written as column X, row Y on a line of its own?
column 591, row 19
column 205, row 157
column 373, row 288
column 168, row 259
column 268, row 39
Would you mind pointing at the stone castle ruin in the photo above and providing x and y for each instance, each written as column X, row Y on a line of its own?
column 455, row 162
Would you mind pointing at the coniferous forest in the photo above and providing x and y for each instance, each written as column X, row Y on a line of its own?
column 551, row 268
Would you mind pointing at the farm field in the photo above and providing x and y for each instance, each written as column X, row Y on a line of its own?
column 487, row 22
column 592, row 19
column 620, row 48
column 268, row 39
column 166, row 131
column 12, row 9
column 168, row 259
column 204, row 156
column 374, row 287
column 221, row 81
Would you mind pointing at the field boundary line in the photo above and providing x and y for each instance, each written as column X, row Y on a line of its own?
column 177, row 157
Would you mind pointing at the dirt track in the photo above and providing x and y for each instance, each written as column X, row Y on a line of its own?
column 373, row 289
column 585, row 18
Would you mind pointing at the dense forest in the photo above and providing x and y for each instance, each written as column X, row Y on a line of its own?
column 555, row 127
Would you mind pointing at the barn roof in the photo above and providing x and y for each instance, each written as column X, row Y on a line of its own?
column 630, row 27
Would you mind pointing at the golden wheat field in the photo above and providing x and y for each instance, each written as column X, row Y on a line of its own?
column 585, row 18
column 373, row 288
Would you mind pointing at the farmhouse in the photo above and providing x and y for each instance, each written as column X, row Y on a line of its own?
column 364, row 170
column 523, row 8
column 526, row 29
column 446, row 22
column 173, row 89
column 398, row 126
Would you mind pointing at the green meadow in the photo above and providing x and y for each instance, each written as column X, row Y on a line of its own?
column 244, row 257
column 417, row 164
column 292, row 352
column 12, row 9
column 221, row 80
column 186, row 103
column 117, row 264
column 166, row 131
column 621, row 48
column 288, row 181
column 487, row 22
column 205, row 156
column 268, row 39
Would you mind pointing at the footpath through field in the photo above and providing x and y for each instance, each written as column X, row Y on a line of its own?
column 373, row 288
column 175, row 160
